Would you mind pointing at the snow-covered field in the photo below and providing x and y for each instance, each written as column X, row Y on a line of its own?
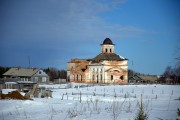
column 110, row 102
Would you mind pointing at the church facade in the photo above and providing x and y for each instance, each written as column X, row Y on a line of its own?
column 107, row 67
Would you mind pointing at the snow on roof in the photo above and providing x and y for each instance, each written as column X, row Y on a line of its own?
column 10, row 83
column 25, row 82
column 21, row 72
column 6, row 91
column 122, row 57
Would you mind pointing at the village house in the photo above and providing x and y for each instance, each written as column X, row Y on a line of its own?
column 136, row 79
column 18, row 78
column 26, row 80
column 107, row 67
column 27, row 74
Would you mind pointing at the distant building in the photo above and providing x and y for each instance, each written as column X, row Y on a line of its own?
column 107, row 67
column 144, row 79
column 26, row 74
column 135, row 79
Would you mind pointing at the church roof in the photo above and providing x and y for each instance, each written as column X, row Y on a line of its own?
column 108, row 57
column 107, row 41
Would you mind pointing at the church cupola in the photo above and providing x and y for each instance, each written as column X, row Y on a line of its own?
column 107, row 46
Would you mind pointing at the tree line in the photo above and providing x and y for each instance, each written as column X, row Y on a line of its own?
column 173, row 72
column 3, row 70
column 171, row 75
column 54, row 73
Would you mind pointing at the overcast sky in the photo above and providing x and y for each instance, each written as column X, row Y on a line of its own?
column 52, row 32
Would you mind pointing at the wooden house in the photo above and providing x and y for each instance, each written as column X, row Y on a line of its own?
column 26, row 74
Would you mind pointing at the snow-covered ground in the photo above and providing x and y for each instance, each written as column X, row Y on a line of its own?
column 110, row 102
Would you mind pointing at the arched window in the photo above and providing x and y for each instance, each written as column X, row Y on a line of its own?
column 122, row 77
column 97, row 79
column 77, row 77
column 111, row 77
column 106, row 50
column 110, row 50
column 68, row 78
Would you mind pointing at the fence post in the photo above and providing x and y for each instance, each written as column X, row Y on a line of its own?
column 80, row 97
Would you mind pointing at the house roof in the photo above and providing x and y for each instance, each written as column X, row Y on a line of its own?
column 108, row 57
column 135, row 77
column 144, row 77
column 21, row 72
column 149, row 77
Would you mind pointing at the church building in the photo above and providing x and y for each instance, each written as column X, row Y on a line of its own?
column 107, row 67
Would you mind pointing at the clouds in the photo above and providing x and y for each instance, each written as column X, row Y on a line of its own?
column 54, row 28
column 59, row 21
column 52, row 32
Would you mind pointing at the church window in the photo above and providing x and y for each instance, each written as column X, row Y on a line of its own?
column 81, row 77
column 116, row 71
column 77, row 77
column 68, row 78
column 122, row 77
column 106, row 50
column 97, row 79
column 110, row 50
column 111, row 77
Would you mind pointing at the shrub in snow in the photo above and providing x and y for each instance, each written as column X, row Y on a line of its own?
column 72, row 113
column 115, row 110
column 141, row 115
column 178, row 112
